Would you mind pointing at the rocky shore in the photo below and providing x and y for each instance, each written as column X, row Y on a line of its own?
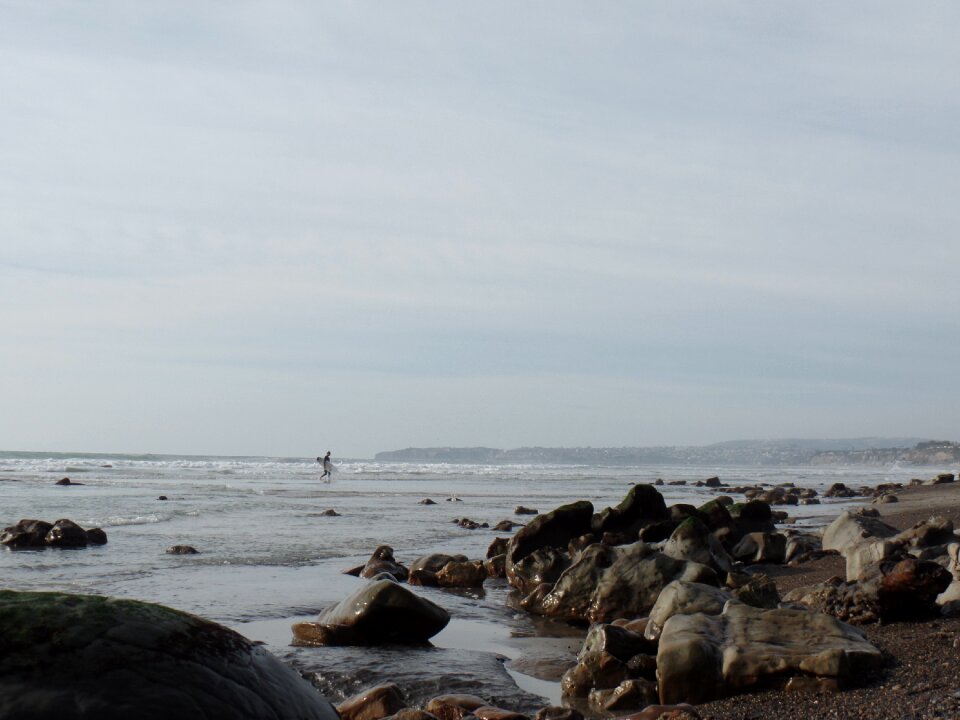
column 706, row 609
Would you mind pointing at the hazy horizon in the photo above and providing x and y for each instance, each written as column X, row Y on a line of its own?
column 284, row 228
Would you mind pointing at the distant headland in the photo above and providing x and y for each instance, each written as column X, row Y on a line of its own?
column 848, row 451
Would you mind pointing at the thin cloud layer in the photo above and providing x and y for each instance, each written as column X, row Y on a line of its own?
column 261, row 228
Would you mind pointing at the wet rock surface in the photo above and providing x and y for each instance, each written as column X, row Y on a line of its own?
column 76, row 656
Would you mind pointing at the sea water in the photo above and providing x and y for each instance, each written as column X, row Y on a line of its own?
column 268, row 557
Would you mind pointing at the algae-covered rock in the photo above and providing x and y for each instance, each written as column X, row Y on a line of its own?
column 79, row 657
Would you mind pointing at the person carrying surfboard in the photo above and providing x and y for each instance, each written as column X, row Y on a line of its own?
column 327, row 466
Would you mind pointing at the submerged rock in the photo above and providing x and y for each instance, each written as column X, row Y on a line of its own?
column 62, row 534
column 373, row 703
column 76, row 656
column 380, row 612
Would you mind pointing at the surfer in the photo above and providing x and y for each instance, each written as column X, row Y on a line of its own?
column 327, row 466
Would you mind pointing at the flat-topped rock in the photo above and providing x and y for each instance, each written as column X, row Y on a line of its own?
column 703, row 657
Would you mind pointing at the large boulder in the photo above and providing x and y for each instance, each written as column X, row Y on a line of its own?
column 684, row 598
column 78, row 657
column 26, row 534
column 614, row 582
column 380, row 612
column 850, row 529
column 552, row 530
column 692, row 540
column 885, row 591
column 704, row 657
column 642, row 506
column 382, row 561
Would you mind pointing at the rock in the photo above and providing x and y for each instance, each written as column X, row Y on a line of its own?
column 886, row 591
column 839, row 490
column 162, row 497
column 849, row 529
column 66, row 481
column 466, row 574
column 942, row 478
column 382, row 561
column 555, row 712
column 427, row 501
column 490, row 712
column 613, row 582
column 642, row 506
column 704, row 657
column 373, row 703
column 72, row 656
column 761, row 547
column 181, row 550
column 454, row 706
column 330, row 512
column 521, row 510
column 752, row 516
column 544, row 565
column 801, row 546
column 715, row 515
column 412, row 714
column 498, row 547
column 693, row 541
column 96, row 536
column 66, row 533
column 819, row 685
column 886, row 498
column 949, row 599
column 936, row 530
column 379, row 612
column 603, row 660
column 506, row 526
column 631, row 694
column 712, row 482
column 684, row 598
column 26, row 534
column 434, row 562
column 681, row 711
column 551, row 530
column 496, row 566
column 758, row 591
column 454, row 499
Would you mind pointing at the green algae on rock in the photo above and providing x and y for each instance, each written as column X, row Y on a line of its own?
column 78, row 656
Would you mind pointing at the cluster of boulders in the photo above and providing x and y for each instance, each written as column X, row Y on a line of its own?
column 39, row 533
column 436, row 569
column 889, row 574
column 387, row 702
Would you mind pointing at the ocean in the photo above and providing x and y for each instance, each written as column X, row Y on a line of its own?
column 268, row 557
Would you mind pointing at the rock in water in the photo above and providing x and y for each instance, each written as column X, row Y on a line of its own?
column 378, row 613
column 79, row 657
column 704, row 657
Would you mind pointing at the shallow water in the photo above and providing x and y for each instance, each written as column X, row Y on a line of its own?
column 268, row 557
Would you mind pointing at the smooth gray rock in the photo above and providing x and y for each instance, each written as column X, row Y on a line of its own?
column 703, row 657
column 78, row 657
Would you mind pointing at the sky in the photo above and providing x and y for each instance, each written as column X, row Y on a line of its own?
column 286, row 227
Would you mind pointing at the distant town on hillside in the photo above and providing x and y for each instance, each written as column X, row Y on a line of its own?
column 850, row 451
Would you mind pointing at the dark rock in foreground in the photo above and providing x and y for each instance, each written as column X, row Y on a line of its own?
column 74, row 657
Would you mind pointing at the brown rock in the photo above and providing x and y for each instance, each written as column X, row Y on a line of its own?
column 373, row 703
column 454, row 707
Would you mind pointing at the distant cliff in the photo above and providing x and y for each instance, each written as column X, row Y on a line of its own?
column 855, row 451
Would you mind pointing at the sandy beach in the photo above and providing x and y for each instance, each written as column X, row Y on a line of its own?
column 921, row 677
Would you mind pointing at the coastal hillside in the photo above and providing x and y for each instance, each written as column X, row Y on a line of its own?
column 853, row 451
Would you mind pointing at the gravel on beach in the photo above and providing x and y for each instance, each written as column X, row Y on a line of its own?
column 921, row 677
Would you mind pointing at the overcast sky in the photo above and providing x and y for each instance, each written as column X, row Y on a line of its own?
column 285, row 227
